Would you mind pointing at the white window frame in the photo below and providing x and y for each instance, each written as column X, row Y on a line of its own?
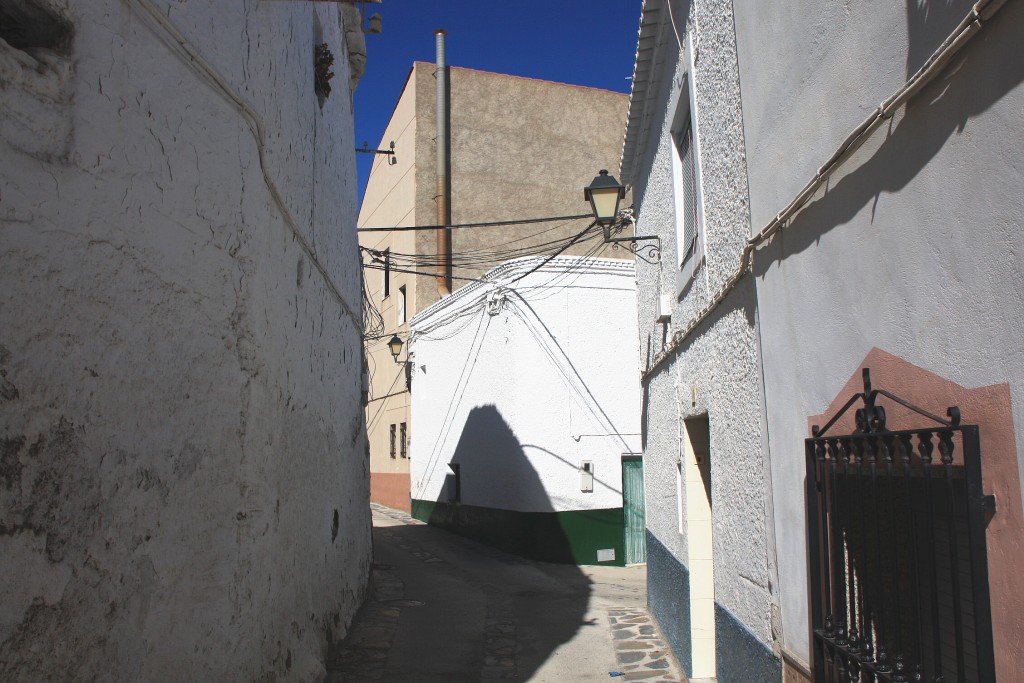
column 402, row 311
column 684, row 114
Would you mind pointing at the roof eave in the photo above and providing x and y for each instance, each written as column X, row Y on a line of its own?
column 646, row 78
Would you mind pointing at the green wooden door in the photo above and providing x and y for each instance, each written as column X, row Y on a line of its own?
column 633, row 509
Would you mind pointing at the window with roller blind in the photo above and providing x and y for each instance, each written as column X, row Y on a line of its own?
column 686, row 178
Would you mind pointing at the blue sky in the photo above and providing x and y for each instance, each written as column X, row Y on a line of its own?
column 582, row 42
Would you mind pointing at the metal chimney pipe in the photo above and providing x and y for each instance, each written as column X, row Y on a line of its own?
column 444, row 213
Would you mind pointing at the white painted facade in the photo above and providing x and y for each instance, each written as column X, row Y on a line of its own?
column 183, row 478
column 548, row 359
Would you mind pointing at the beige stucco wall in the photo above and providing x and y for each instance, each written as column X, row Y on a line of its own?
column 390, row 200
column 520, row 148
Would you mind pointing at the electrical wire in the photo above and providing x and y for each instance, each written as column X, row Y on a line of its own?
column 578, row 268
column 373, row 320
column 561, row 361
column 519, row 221
column 456, row 400
column 481, row 258
column 380, row 410
column 410, row 271
column 568, row 244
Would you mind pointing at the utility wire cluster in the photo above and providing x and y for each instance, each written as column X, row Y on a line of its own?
column 473, row 261
column 373, row 321
column 468, row 265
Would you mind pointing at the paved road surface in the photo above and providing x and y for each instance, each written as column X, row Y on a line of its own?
column 446, row 609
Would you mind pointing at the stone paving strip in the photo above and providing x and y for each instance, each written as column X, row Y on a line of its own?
column 640, row 650
column 397, row 515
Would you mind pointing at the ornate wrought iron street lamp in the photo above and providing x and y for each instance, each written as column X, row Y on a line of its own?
column 604, row 194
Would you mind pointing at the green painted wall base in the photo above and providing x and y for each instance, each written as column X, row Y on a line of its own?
column 567, row 537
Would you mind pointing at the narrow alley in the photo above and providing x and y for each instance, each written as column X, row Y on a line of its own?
column 445, row 608
column 355, row 341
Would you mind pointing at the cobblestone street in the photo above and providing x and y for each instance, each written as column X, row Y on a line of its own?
column 444, row 608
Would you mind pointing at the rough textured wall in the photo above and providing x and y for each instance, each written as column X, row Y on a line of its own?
column 547, row 363
column 716, row 371
column 183, row 485
column 913, row 247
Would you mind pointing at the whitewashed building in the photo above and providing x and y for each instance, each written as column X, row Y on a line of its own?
column 183, row 476
column 525, row 398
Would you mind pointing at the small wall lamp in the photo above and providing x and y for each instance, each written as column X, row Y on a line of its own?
column 395, row 346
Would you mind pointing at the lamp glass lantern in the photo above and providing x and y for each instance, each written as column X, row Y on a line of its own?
column 395, row 346
column 604, row 194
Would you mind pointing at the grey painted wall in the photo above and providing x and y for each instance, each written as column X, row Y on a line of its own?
column 183, row 485
column 913, row 248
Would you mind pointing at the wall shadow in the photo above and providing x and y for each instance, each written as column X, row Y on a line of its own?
column 493, row 494
column 928, row 24
column 989, row 67
column 484, row 501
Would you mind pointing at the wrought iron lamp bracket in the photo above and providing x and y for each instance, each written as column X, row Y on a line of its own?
column 648, row 253
column 871, row 417
column 392, row 159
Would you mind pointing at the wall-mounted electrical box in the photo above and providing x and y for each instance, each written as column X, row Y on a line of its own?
column 587, row 476
column 664, row 308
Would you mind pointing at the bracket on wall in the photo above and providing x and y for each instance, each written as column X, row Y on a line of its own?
column 648, row 253
column 392, row 159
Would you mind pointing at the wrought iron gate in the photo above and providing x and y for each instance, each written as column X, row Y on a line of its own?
column 896, row 543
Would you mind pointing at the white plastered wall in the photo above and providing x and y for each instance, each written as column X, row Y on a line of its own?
column 554, row 367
